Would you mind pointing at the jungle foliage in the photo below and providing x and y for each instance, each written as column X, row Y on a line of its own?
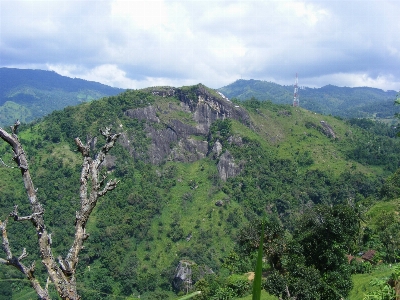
column 290, row 169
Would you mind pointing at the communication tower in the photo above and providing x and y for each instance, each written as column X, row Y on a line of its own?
column 296, row 94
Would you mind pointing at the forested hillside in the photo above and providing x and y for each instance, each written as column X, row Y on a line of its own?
column 346, row 102
column 30, row 94
column 197, row 174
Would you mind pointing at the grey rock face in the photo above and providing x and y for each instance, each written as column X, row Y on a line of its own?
column 109, row 162
column 164, row 92
column 185, row 139
column 217, row 149
column 146, row 113
column 189, row 150
column 183, row 130
column 162, row 141
column 236, row 140
column 207, row 108
column 183, row 276
column 327, row 129
column 227, row 167
column 183, row 279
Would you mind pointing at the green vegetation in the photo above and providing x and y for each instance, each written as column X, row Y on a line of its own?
column 362, row 282
column 291, row 167
column 12, row 111
column 31, row 94
column 386, row 288
column 359, row 102
column 309, row 261
column 264, row 296
column 258, row 269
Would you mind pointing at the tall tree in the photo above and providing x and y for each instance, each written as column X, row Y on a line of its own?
column 92, row 187
column 313, row 263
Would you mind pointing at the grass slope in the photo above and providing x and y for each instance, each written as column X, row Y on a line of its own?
column 362, row 284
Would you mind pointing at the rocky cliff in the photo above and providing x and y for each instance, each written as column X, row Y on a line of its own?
column 179, row 128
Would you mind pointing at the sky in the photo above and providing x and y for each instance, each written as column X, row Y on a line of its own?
column 136, row 44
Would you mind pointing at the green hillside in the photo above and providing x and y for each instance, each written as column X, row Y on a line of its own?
column 30, row 94
column 195, row 171
column 346, row 102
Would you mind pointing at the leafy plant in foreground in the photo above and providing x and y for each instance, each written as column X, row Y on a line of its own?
column 387, row 288
column 258, row 271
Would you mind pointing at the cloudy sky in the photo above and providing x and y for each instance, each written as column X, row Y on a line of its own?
column 135, row 44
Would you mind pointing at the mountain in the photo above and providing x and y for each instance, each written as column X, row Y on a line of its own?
column 195, row 170
column 346, row 102
column 30, row 94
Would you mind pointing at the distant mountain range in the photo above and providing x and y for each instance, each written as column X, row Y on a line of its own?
column 27, row 95
column 338, row 101
column 30, row 94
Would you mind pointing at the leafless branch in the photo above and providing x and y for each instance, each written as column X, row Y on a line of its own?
column 63, row 273
column 6, row 245
column 16, row 262
column 23, row 255
column 112, row 184
column 14, row 214
column 4, row 164
column 89, row 195
column 14, row 127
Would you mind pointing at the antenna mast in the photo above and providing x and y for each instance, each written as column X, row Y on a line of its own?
column 296, row 95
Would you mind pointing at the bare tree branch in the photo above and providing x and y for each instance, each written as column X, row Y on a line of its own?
column 16, row 262
column 14, row 127
column 4, row 164
column 62, row 274
column 14, row 214
column 6, row 246
column 89, row 196
column 112, row 184
column 23, row 255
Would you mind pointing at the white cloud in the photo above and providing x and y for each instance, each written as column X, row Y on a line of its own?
column 307, row 14
column 353, row 80
column 113, row 76
column 143, row 15
column 107, row 74
column 140, row 43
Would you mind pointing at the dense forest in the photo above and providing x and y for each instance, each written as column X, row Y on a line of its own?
column 197, row 175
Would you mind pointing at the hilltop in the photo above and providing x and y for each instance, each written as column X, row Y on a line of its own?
column 346, row 102
column 30, row 94
column 27, row 95
column 194, row 170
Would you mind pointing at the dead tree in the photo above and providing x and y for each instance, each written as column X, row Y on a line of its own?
column 61, row 273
